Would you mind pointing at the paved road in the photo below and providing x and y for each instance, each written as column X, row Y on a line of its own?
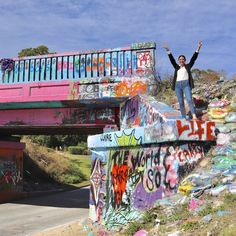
column 29, row 216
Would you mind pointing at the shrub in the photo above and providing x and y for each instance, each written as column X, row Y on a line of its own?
column 87, row 152
column 76, row 150
column 133, row 228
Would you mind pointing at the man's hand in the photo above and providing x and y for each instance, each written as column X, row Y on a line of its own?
column 199, row 45
column 166, row 47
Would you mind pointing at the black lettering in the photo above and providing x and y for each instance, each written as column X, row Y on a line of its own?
column 157, row 179
column 150, row 180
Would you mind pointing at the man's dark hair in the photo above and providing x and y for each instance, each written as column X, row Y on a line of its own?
column 182, row 56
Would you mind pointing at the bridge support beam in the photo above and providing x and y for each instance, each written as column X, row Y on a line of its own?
column 57, row 120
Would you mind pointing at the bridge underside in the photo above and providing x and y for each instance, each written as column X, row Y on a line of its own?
column 49, row 130
column 62, row 120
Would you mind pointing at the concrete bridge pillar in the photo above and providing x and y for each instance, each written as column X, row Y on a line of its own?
column 11, row 170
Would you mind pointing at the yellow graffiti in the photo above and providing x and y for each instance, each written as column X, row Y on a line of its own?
column 128, row 139
column 73, row 91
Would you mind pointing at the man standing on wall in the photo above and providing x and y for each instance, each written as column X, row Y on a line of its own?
column 183, row 82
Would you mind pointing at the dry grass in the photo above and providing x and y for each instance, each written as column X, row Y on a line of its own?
column 62, row 167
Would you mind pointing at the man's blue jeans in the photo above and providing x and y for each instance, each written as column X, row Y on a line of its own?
column 182, row 88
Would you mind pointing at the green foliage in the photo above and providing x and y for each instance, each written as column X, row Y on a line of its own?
column 228, row 231
column 76, row 150
column 207, row 76
column 230, row 198
column 209, row 209
column 147, row 221
column 74, row 176
column 40, row 50
column 133, row 228
column 190, row 225
column 44, row 140
column 179, row 213
column 149, row 216
column 53, row 141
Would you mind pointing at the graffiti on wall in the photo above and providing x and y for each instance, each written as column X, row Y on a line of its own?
column 127, row 138
column 120, row 138
column 89, row 64
column 129, row 112
column 122, row 87
column 10, row 174
column 137, row 177
column 87, row 116
column 97, row 192
column 195, row 130
column 156, row 133
column 144, row 110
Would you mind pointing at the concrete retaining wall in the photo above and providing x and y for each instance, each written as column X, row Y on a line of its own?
column 144, row 162
column 11, row 170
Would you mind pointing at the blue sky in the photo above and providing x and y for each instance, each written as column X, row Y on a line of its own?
column 75, row 25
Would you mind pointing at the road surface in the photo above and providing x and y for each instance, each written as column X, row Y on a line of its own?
column 30, row 216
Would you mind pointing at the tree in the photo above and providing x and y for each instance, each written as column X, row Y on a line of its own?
column 207, row 76
column 40, row 50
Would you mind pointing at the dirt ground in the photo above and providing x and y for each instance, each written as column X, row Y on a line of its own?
column 71, row 229
column 75, row 228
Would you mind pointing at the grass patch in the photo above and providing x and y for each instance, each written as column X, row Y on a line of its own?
column 82, row 161
column 229, row 231
column 190, row 226
column 133, row 228
column 181, row 212
column 209, row 209
column 63, row 167
column 230, row 199
column 146, row 222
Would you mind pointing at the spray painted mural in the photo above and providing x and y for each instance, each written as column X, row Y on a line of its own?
column 59, row 116
column 137, row 59
column 11, row 169
column 120, row 87
column 126, row 181
column 97, row 74
column 143, row 110
column 173, row 130
column 10, row 175
column 135, row 167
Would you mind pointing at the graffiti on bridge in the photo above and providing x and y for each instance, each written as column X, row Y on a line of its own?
column 89, row 64
column 97, row 193
column 124, row 87
column 10, row 174
column 138, row 177
column 195, row 129
column 88, row 116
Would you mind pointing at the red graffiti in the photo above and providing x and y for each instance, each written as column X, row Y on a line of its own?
column 197, row 128
column 119, row 176
column 210, row 127
column 144, row 58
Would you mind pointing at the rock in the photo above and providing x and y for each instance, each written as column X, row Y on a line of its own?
column 206, row 219
column 141, row 232
column 176, row 233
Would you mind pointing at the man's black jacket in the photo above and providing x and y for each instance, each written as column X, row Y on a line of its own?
column 187, row 66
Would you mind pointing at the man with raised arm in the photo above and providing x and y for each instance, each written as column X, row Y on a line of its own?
column 183, row 82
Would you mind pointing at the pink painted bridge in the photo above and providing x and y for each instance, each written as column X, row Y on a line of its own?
column 77, row 92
